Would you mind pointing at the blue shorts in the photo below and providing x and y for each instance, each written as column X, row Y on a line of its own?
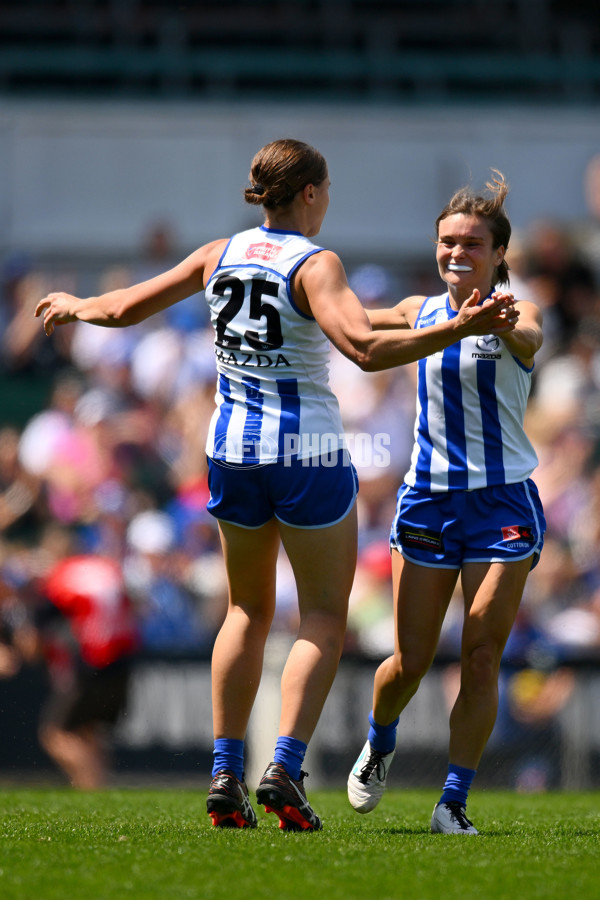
column 448, row 528
column 305, row 493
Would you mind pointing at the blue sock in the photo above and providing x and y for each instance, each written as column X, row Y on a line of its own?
column 229, row 754
column 382, row 737
column 289, row 752
column 457, row 784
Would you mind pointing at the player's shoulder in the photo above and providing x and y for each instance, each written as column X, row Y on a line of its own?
column 409, row 307
column 415, row 301
column 322, row 262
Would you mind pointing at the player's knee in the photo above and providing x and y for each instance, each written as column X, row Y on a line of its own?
column 326, row 627
column 482, row 664
column 409, row 668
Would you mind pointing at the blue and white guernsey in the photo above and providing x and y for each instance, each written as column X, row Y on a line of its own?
column 471, row 401
column 273, row 397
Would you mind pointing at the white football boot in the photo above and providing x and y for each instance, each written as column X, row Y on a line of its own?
column 366, row 782
column 451, row 818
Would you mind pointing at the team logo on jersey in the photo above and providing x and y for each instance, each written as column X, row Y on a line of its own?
column 265, row 251
column 517, row 533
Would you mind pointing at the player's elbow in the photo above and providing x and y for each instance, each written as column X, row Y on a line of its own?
column 364, row 350
column 122, row 315
column 125, row 318
column 369, row 355
column 362, row 355
column 368, row 363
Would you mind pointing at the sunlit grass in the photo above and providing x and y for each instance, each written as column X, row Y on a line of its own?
column 148, row 845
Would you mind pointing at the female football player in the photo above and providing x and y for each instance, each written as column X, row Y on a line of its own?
column 278, row 469
column 467, row 505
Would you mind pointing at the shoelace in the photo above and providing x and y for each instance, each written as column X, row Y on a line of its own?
column 374, row 762
column 458, row 814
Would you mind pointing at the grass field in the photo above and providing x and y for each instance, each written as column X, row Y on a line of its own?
column 158, row 845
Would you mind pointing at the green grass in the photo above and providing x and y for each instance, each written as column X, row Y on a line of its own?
column 158, row 845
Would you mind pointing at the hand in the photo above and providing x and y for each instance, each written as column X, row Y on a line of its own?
column 496, row 315
column 508, row 315
column 56, row 310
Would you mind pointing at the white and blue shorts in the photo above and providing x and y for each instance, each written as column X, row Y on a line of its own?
column 446, row 529
column 305, row 493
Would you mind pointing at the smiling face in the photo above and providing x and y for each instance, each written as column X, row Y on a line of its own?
column 465, row 255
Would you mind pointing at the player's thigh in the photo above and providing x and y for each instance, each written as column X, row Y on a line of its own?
column 422, row 595
column 324, row 562
column 250, row 556
column 492, row 593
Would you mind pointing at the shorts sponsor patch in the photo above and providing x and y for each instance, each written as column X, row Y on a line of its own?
column 517, row 533
column 421, row 539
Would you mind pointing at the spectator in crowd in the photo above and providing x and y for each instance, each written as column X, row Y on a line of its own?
column 20, row 509
column 586, row 234
column 159, row 582
column 560, row 276
column 84, row 628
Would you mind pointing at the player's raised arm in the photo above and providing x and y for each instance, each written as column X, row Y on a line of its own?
column 128, row 306
column 341, row 316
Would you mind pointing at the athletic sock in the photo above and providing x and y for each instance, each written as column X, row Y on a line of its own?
column 228, row 754
column 382, row 737
column 290, row 752
column 457, row 784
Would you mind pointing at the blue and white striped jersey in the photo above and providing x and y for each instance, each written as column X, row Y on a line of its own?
column 471, row 401
column 273, row 396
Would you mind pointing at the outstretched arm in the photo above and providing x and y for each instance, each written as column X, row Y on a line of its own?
column 340, row 314
column 397, row 316
column 128, row 306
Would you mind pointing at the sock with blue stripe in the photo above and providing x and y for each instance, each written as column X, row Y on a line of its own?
column 228, row 754
column 289, row 752
column 382, row 737
column 458, row 783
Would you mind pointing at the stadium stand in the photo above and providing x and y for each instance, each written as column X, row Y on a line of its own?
column 388, row 50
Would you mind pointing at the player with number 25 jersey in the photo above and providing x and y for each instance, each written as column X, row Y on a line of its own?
column 273, row 398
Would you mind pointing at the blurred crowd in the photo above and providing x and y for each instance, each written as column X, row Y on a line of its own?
column 110, row 458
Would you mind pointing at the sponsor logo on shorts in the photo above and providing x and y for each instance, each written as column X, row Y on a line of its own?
column 518, row 533
column 421, row 539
